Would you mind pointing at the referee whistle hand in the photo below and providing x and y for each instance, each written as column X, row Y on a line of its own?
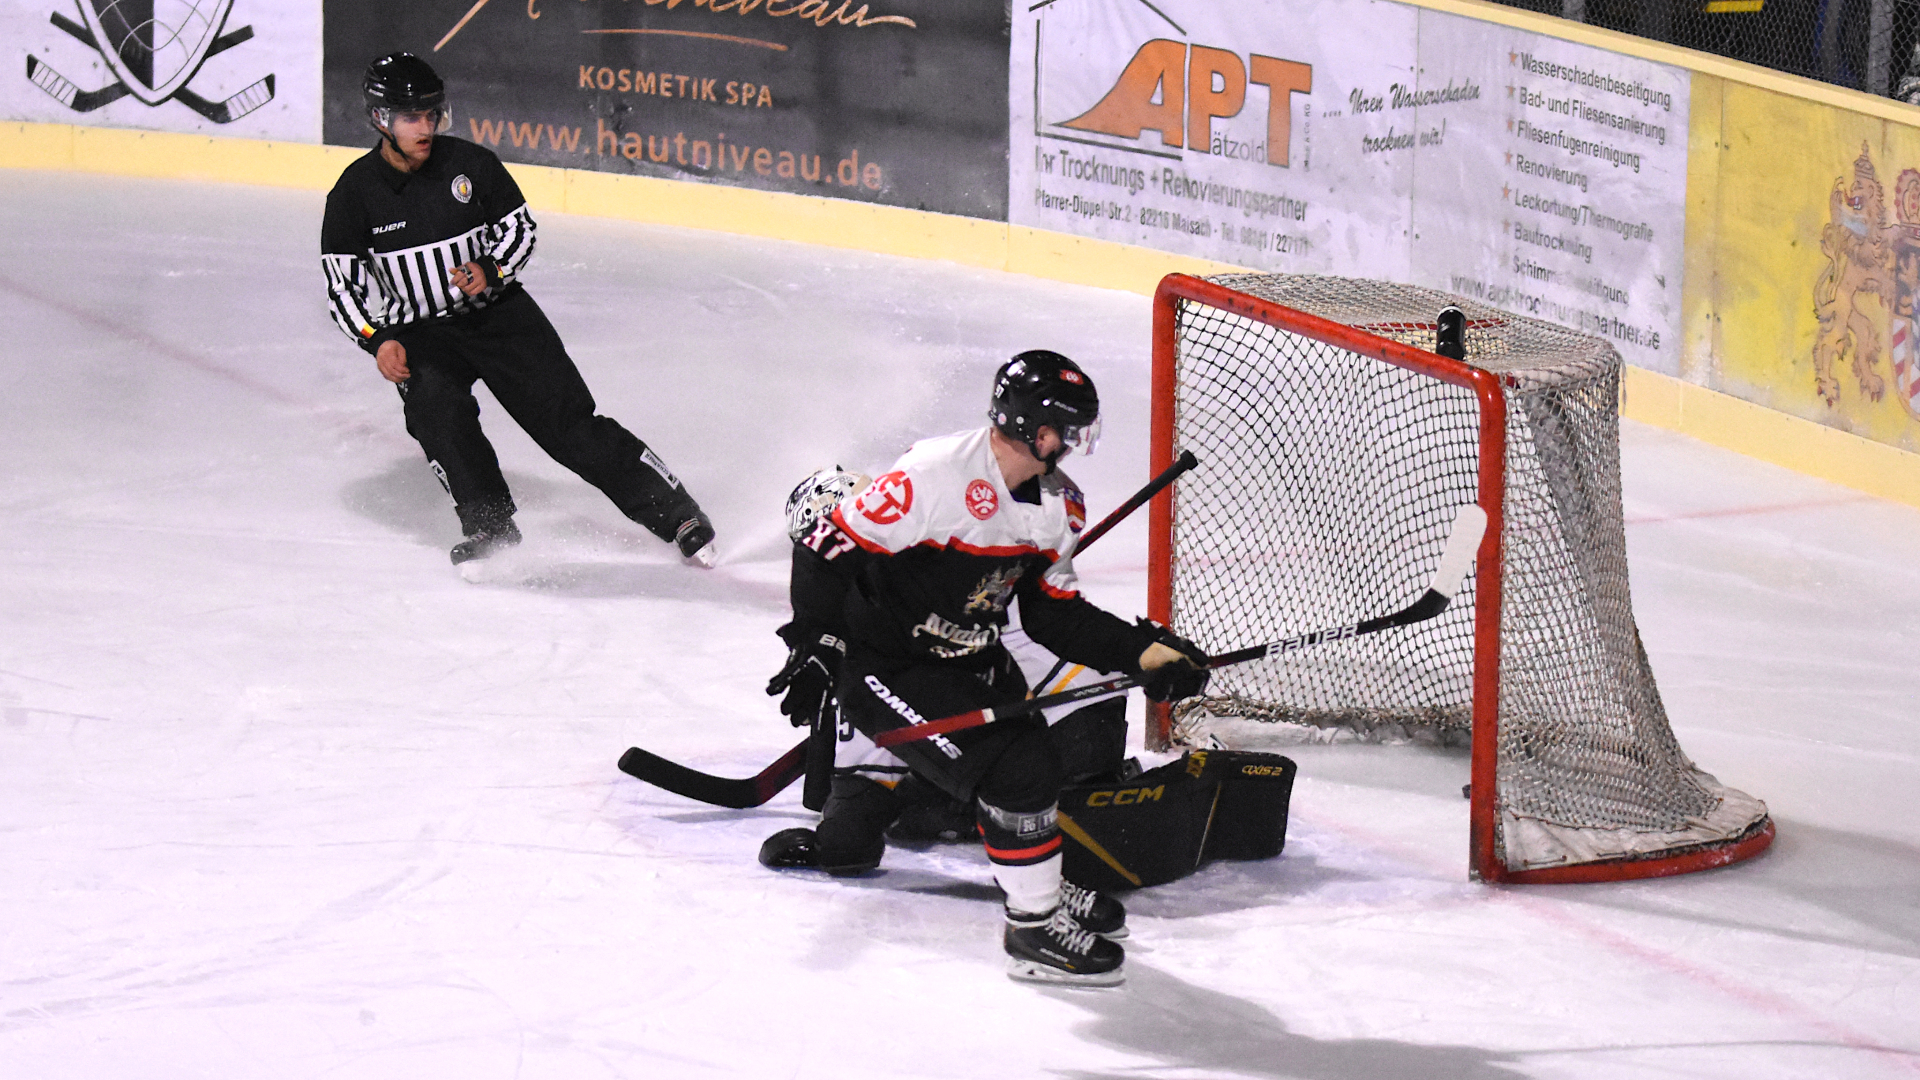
column 469, row 278
column 391, row 359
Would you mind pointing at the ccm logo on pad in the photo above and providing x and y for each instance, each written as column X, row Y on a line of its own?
column 1126, row 797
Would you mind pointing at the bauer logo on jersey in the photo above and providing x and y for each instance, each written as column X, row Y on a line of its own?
column 887, row 499
column 463, row 188
column 981, row 500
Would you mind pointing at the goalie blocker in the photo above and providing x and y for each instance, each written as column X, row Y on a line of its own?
column 1164, row 824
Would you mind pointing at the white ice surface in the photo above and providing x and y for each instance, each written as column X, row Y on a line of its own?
column 281, row 796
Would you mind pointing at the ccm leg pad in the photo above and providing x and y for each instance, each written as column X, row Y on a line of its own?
column 1165, row 823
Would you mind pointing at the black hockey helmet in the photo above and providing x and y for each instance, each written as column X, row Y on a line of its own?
column 1040, row 388
column 402, row 82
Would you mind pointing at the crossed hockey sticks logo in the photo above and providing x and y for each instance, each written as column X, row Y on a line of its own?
column 131, row 49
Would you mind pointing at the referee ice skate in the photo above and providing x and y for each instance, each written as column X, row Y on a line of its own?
column 423, row 242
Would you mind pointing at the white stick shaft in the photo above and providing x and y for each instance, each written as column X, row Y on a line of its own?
column 1463, row 545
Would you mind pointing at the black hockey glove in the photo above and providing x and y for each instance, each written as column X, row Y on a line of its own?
column 812, row 667
column 1183, row 678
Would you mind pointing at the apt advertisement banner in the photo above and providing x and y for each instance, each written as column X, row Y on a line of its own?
column 1362, row 138
column 246, row 68
column 901, row 102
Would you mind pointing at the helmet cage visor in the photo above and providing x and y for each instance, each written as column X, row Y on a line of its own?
column 1080, row 438
column 382, row 116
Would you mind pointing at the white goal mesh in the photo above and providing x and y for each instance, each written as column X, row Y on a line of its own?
column 1328, row 479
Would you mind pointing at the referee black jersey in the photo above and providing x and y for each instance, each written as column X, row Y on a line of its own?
column 390, row 238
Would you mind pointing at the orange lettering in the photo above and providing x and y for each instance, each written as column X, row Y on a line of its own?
column 1283, row 79
column 1129, row 108
column 1204, row 103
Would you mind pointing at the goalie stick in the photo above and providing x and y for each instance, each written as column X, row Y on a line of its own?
column 1469, row 525
column 770, row 781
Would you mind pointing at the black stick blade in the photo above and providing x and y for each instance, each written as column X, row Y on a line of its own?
column 716, row 790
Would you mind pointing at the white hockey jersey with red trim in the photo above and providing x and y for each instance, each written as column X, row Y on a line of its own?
column 948, row 493
column 923, row 562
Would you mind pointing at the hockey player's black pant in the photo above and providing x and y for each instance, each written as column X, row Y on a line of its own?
column 510, row 346
column 1009, row 763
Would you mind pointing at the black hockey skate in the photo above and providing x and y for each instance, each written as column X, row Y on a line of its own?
column 790, row 849
column 694, row 538
column 1056, row 950
column 801, row 849
column 1096, row 911
column 482, row 543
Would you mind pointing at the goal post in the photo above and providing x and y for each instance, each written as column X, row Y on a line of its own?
column 1335, row 447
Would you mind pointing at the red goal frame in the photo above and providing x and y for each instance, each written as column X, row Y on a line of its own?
column 1489, row 392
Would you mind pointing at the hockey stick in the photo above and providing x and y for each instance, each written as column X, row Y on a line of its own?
column 1463, row 543
column 756, row 790
column 60, row 89
column 233, row 108
column 1187, row 461
column 734, row 794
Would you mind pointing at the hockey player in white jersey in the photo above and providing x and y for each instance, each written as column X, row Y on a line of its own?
column 900, row 597
column 876, row 797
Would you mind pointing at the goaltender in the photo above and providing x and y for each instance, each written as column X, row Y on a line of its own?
column 423, row 243
column 900, row 597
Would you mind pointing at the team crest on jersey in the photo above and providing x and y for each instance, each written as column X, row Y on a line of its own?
column 960, row 640
column 981, row 500
column 887, row 499
column 1076, row 507
column 463, row 188
column 995, row 590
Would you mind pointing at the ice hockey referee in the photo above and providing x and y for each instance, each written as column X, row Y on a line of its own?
column 423, row 242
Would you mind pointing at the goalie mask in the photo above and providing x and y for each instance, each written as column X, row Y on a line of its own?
column 816, row 497
column 1039, row 388
column 403, row 83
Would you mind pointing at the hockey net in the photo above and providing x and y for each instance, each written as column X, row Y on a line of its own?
column 1335, row 448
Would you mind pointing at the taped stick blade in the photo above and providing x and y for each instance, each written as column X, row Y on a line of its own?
column 1463, row 546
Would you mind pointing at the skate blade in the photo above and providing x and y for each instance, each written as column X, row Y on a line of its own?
column 500, row 568
column 1116, row 935
column 704, row 558
column 1035, row 972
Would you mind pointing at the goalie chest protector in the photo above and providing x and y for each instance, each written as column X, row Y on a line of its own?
column 1166, row 822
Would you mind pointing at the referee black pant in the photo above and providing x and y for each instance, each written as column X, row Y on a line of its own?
column 510, row 346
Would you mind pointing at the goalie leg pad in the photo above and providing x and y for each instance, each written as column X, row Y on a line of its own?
column 1256, row 789
column 1163, row 824
column 1092, row 741
column 1148, row 830
column 851, row 836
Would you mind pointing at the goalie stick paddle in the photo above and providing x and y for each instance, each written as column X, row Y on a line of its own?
column 1469, row 525
column 756, row 790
